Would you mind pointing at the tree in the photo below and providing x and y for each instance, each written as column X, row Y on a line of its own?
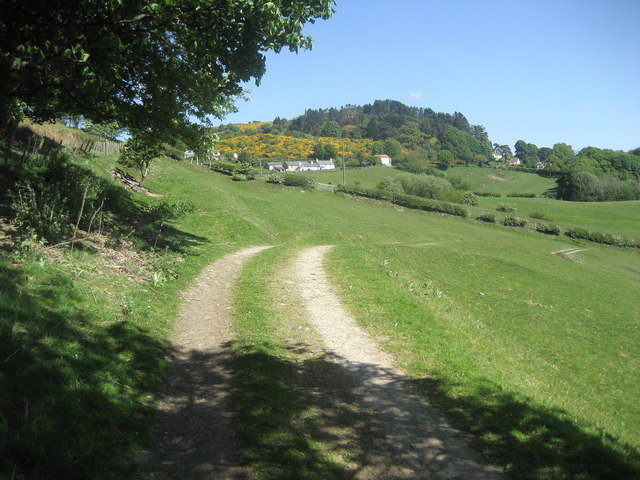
column 318, row 150
column 160, row 66
column 527, row 153
column 139, row 152
column 331, row 129
column 393, row 148
column 330, row 151
column 445, row 159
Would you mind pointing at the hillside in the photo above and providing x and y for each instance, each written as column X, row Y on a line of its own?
column 517, row 343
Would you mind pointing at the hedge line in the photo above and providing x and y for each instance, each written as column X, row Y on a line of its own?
column 239, row 171
column 487, row 194
column 409, row 201
column 601, row 237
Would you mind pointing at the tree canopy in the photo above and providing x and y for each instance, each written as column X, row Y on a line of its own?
column 158, row 66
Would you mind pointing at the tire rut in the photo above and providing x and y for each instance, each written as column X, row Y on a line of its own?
column 194, row 436
column 416, row 434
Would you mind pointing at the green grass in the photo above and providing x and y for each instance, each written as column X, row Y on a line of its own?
column 612, row 217
column 503, row 181
column 535, row 354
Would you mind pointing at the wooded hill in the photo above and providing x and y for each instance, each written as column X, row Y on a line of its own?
column 390, row 126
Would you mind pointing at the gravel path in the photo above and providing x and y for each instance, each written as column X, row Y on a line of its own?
column 194, row 438
column 417, row 434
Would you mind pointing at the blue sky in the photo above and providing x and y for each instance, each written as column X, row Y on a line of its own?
column 544, row 71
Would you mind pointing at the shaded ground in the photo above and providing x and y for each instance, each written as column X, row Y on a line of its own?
column 194, row 438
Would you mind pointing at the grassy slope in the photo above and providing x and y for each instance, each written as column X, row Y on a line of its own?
column 541, row 344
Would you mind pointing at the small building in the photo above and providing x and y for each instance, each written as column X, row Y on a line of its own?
column 291, row 165
column 514, row 161
column 385, row 160
column 308, row 167
column 277, row 166
column 326, row 164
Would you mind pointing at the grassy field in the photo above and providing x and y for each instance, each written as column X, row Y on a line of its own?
column 503, row 181
column 534, row 354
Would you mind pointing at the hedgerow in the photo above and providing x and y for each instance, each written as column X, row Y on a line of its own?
column 510, row 221
column 294, row 180
column 487, row 217
column 601, row 237
column 404, row 200
column 506, row 208
column 522, row 195
column 487, row 194
column 547, row 228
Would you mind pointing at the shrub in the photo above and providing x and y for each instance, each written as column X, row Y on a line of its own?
column 601, row 237
column 470, row 199
column 486, row 194
column 487, row 217
column 276, row 178
column 224, row 167
column 294, row 180
column 239, row 177
column 404, row 200
column 426, row 186
column 522, row 195
column 549, row 229
column 510, row 221
column 507, row 208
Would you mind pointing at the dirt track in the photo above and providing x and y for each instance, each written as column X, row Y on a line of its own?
column 195, row 438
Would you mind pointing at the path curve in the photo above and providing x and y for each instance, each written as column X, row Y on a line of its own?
column 418, row 435
column 194, row 437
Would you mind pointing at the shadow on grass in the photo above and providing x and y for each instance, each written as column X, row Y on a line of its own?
column 72, row 389
column 533, row 442
column 296, row 417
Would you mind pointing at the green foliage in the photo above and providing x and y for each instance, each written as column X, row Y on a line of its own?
column 486, row 194
column 276, row 178
column 404, row 200
column 295, row 180
column 445, row 159
column 487, row 217
column 470, row 199
column 511, row 221
column 522, row 195
column 225, row 167
column 506, row 208
column 53, row 194
column 547, row 228
column 601, row 237
column 331, row 129
column 425, row 186
column 139, row 151
column 141, row 63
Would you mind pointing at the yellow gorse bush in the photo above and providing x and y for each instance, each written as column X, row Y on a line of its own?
column 270, row 146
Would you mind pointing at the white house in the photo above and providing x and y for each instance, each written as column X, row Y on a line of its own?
column 514, row 161
column 291, row 165
column 385, row 160
column 326, row 164
column 308, row 167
